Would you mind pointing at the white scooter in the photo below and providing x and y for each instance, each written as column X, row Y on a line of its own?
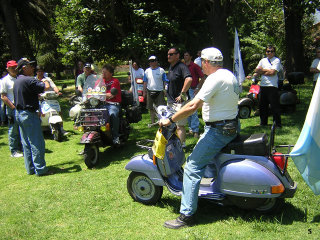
column 50, row 117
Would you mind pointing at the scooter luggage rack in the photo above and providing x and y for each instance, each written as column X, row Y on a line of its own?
column 285, row 155
column 91, row 117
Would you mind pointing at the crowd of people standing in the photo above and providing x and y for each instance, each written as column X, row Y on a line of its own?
column 185, row 88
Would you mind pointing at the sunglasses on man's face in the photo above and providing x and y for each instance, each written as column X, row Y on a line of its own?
column 269, row 51
column 171, row 54
column 152, row 60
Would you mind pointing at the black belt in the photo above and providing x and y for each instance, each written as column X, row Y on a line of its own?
column 214, row 124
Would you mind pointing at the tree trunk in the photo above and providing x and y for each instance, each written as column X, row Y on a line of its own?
column 218, row 11
column 10, row 24
column 293, row 14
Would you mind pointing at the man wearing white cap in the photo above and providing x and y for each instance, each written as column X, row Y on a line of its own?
column 153, row 85
column 218, row 98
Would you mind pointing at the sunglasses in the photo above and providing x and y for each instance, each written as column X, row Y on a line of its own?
column 152, row 60
column 171, row 54
column 269, row 51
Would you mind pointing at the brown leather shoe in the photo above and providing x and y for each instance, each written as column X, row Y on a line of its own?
column 180, row 222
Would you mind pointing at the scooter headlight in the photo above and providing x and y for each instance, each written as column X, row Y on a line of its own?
column 94, row 102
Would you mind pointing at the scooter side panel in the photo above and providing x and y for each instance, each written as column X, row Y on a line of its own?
column 55, row 119
column 142, row 163
column 246, row 177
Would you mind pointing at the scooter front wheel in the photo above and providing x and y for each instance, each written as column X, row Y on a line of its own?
column 142, row 189
column 91, row 155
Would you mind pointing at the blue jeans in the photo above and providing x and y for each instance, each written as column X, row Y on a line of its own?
column 208, row 146
column 114, row 119
column 32, row 141
column 2, row 111
column 193, row 119
column 13, row 132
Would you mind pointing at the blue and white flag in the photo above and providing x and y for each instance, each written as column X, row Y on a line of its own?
column 237, row 61
column 306, row 152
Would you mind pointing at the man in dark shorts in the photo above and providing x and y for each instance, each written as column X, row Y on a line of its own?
column 153, row 86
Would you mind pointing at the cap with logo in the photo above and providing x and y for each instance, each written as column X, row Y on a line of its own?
column 212, row 54
column 23, row 62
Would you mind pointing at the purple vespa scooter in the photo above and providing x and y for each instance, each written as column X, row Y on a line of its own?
column 248, row 172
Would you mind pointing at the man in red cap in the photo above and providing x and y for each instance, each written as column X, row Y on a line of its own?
column 7, row 97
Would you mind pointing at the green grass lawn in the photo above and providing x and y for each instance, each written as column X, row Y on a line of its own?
column 79, row 203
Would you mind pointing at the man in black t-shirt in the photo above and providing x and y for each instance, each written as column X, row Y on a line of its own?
column 180, row 81
column 26, row 89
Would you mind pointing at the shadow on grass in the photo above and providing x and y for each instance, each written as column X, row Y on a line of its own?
column 316, row 219
column 115, row 155
column 58, row 169
column 209, row 212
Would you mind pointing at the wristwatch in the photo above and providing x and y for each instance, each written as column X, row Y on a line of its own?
column 170, row 118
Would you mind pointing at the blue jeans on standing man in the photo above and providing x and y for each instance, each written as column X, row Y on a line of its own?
column 32, row 141
column 208, row 146
column 193, row 120
column 114, row 119
column 13, row 132
column 2, row 112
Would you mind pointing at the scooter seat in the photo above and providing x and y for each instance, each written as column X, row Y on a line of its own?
column 255, row 144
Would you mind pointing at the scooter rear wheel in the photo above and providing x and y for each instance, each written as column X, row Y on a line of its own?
column 263, row 205
column 244, row 112
column 271, row 205
column 91, row 155
column 142, row 189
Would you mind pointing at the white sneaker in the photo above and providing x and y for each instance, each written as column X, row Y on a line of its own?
column 16, row 155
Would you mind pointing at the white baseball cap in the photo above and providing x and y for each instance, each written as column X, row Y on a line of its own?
column 212, row 54
column 152, row 58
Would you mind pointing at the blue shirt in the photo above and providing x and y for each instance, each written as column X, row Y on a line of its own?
column 25, row 91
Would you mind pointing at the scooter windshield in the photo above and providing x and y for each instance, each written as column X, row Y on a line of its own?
column 94, row 87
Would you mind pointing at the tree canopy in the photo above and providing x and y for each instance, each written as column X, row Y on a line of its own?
column 59, row 32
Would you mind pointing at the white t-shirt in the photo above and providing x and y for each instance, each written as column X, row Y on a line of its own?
column 154, row 78
column 7, row 86
column 316, row 64
column 273, row 63
column 220, row 93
